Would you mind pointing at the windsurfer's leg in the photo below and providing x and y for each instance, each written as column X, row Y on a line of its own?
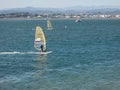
column 41, row 48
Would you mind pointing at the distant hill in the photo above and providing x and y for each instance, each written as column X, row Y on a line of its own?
column 30, row 10
column 67, row 10
column 95, row 9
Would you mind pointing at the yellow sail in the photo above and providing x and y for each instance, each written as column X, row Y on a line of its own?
column 39, row 39
column 49, row 25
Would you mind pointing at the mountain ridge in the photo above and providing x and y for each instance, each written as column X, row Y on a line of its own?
column 73, row 9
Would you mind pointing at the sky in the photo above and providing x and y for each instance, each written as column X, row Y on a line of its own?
column 6, row 4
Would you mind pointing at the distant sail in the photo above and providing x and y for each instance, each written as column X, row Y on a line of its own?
column 39, row 39
column 78, row 20
column 49, row 25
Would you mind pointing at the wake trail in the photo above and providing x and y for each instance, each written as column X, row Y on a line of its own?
column 14, row 52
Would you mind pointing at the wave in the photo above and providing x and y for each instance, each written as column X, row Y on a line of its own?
column 14, row 52
column 9, row 79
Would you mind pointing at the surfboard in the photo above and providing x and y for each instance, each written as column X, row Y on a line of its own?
column 48, row 52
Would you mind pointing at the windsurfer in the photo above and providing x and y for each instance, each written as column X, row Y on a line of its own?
column 42, row 48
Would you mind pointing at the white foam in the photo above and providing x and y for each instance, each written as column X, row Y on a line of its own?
column 14, row 52
column 10, row 52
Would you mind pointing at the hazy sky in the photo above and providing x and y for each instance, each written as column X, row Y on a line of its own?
column 5, row 4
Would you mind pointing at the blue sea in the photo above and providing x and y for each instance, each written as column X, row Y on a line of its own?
column 85, row 55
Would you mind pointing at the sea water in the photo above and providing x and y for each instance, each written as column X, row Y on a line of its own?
column 85, row 55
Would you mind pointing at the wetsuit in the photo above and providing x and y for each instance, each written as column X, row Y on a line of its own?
column 42, row 48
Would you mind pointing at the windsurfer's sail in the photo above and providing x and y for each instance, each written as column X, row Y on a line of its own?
column 49, row 25
column 40, row 42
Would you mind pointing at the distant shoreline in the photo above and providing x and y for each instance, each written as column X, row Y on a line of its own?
column 59, row 19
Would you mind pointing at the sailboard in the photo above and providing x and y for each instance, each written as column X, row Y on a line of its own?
column 46, row 52
column 49, row 25
column 40, row 41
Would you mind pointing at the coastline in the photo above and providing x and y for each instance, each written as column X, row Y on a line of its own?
column 59, row 18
